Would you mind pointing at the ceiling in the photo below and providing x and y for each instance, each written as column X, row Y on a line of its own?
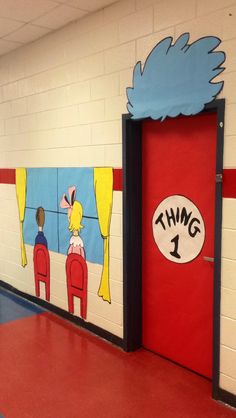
column 23, row 21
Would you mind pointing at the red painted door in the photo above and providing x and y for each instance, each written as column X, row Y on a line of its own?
column 178, row 175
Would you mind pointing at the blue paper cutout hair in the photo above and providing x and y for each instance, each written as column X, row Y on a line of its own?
column 176, row 79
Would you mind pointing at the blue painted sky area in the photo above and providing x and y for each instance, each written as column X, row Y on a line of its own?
column 45, row 187
column 42, row 188
column 13, row 307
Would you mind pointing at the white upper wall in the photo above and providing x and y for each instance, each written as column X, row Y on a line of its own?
column 75, row 80
column 23, row 21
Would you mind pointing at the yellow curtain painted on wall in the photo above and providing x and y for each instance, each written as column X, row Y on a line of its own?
column 21, row 200
column 103, row 187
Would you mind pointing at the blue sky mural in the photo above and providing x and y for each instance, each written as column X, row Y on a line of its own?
column 176, row 78
column 45, row 187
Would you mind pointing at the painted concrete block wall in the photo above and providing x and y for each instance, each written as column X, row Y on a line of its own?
column 61, row 100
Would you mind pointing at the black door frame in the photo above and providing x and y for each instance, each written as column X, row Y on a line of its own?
column 132, row 234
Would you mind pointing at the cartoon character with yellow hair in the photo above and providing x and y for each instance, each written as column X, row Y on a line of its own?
column 75, row 214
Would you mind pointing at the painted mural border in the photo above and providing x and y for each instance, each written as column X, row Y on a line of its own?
column 132, row 233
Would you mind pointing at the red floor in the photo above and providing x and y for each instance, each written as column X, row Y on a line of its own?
column 49, row 368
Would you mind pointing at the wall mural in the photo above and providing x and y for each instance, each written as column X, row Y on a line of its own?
column 176, row 78
column 68, row 211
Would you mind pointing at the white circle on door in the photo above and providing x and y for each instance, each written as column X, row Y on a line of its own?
column 178, row 229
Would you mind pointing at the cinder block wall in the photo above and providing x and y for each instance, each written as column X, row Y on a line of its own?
column 61, row 103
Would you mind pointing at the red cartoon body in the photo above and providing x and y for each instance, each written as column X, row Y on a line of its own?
column 42, row 269
column 77, row 278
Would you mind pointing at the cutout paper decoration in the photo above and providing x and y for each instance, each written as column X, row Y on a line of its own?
column 41, row 256
column 41, row 269
column 40, row 220
column 21, row 178
column 103, row 187
column 77, row 282
column 45, row 187
column 89, row 218
column 76, row 267
column 176, row 78
column 178, row 229
column 75, row 215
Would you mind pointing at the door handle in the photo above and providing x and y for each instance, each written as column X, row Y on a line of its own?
column 209, row 259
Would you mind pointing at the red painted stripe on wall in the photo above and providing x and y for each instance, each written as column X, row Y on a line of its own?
column 7, row 175
column 117, row 179
column 229, row 183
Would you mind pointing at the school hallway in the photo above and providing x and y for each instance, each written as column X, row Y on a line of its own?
column 51, row 368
